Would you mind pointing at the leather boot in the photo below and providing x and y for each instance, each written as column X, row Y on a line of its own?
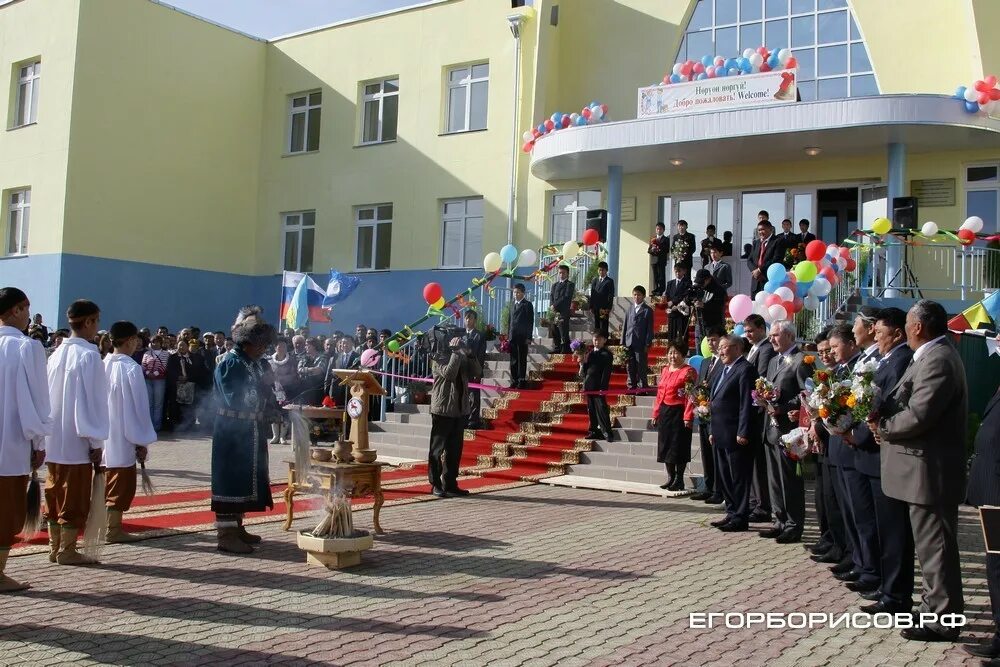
column 678, row 477
column 54, row 534
column 249, row 538
column 117, row 534
column 8, row 585
column 229, row 541
column 671, row 478
column 68, row 555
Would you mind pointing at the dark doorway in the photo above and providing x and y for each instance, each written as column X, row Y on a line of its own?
column 838, row 214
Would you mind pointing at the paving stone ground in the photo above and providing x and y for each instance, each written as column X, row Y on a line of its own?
column 535, row 575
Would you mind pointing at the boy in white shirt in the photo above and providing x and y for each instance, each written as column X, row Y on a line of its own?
column 131, row 429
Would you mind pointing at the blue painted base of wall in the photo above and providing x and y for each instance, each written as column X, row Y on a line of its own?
column 152, row 295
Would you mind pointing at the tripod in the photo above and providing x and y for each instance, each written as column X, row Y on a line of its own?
column 907, row 274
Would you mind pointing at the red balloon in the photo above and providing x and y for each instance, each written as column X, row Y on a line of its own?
column 981, row 86
column 791, row 279
column 995, row 94
column 851, row 264
column 432, row 292
column 829, row 274
column 697, row 68
column 984, row 98
column 791, row 63
column 566, row 121
column 535, row 133
column 604, row 109
column 666, row 80
column 590, row 237
column 815, row 250
column 797, row 304
column 686, row 69
column 845, row 252
column 764, row 67
column 549, row 124
column 585, row 112
column 990, row 80
column 966, row 236
column 772, row 300
column 528, row 146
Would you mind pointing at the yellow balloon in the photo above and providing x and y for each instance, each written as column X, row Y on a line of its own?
column 439, row 304
column 492, row 262
column 571, row 249
column 882, row 226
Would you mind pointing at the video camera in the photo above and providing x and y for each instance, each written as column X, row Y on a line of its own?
column 440, row 339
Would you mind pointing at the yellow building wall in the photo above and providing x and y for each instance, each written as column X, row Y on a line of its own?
column 36, row 155
column 166, row 122
column 985, row 19
column 422, row 166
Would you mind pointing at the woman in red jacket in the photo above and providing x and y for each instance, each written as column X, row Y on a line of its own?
column 673, row 413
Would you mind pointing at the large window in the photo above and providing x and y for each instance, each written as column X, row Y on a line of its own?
column 982, row 194
column 461, row 232
column 300, row 239
column 380, row 106
column 569, row 214
column 468, row 90
column 304, row 111
column 18, row 215
column 374, row 225
column 822, row 34
column 26, row 93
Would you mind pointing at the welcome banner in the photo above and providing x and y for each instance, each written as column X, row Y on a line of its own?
column 727, row 92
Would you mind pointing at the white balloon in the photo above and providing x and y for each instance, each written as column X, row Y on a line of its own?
column 971, row 94
column 492, row 262
column 777, row 312
column 748, row 52
column 677, row 69
column 756, row 60
column 683, row 80
column 596, row 112
column 573, row 116
column 785, row 293
column 570, row 249
column 760, row 298
column 821, row 287
column 784, row 55
column 841, row 262
column 527, row 136
column 929, row 228
column 528, row 258
column 973, row 223
column 810, row 301
column 733, row 71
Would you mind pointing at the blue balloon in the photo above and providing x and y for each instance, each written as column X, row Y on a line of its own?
column 541, row 128
column 730, row 63
column 960, row 93
column 773, row 60
column 701, row 76
column 733, row 71
column 971, row 107
column 695, row 361
column 821, row 298
column 675, row 78
column 580, row 120
column 802, row 289
column 706, row 60
column 508, row 253
column 739, row 330
column 720, row 71
column 746, row 66
column 777, row 273
column 771, row 285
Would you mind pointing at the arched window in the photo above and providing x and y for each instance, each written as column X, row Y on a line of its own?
column 823, row 36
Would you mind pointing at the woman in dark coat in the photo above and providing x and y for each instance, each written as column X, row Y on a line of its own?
column 180, row 370
column 673, row 414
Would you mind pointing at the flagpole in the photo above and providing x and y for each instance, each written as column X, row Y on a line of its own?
column 281, row 300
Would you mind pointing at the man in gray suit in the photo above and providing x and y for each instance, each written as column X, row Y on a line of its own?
column 921, row 431
column 788, row 374
column 637, row 336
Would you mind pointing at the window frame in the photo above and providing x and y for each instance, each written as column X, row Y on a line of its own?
column 32, row 83
column 23, row 209
column 378, row 98
column 374, row 223
column 305, row 111
column 575, row 209
column 299, row 228
column 463, row 219
column 981, row 186
column 466, row 83
column 813, row 79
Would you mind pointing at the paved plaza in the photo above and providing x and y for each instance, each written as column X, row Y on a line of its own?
column 533, row 575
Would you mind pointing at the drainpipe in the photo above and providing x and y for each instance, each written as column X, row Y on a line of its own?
column 515, row 21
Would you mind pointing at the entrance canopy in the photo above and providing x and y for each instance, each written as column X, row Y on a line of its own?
column 758, row 135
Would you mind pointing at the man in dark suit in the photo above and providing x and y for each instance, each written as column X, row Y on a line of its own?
column 788, row 373
column 678, row 309
column 637, row 336
column 984, row 489
column 476, row 344
column 561, row 301
column 787, row 237
column 732, row 432
column 706, row 245
column 602, row 298
column 765, row 251
column 659, row 253
column 759, row 356
column 806, row 237
column 520, row 333
column 707, row 373
column 722, row 272
column 596, row 369
column 686, row 239
column 894, row 541
column 922, row 434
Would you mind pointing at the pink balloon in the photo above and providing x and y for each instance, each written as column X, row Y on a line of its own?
column 369, row 358
column 740, row 307
column 772, row 300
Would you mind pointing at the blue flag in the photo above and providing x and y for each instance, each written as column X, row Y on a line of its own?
column 340, row 287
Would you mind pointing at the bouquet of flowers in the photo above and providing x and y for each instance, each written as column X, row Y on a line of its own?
column 653, row 248
column 794, row 255
column 842, row 402
column 764, row 395
column 679, row 250
column 864, row 391
column 489, row 332
column 700, row 394
column 796, row 443
column 504, row 345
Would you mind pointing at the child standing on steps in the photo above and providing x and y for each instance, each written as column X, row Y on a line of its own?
column 596, row 371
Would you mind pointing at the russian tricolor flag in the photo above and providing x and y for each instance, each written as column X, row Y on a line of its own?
column 292, row 299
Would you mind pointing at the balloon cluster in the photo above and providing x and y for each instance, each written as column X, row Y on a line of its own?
column 983, row 95
column 752, row 61
column 509, row 255
column 595, row 112
column 967, row 232
column 806, row 286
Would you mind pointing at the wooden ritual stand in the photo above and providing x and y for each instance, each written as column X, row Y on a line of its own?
column 357, row 479
column 363, row 385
